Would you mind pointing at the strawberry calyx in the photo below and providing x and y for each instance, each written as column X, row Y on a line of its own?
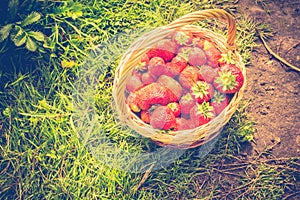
column 141, row 66
column 184, row 53
column 175, row 107
column 188, row 97
column 181, row 39
column 227, row 58
column 218, row 97
column 205, row 110
column 200, row 89
column 226, row 80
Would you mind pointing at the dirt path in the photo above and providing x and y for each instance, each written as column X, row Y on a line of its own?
column 273, row 88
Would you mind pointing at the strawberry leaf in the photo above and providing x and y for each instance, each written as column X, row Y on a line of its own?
column 19, row 39
column 31, row 18
column 37, row 35
column 4, row 32
column 31, row 45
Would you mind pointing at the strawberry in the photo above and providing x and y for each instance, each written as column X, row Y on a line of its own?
column 202, row 91
column 170, row 70
column 213, row 56
column 182, row 124
column 134, row 83
column 207, row 44
column 175, row 107
column 175, row 67
column 186, row 103
column 198, row 42
column 145, row 116
column 154, row 93
column 227, row 58
column 143, row 64
column 229, row 79
column 188, row 76
column 178, row 64
column 170, row 83
column 137, row 73
column 182, row 37
column 219, row 102
column 202, row 113
column 207, row 73
column 132, row 103
column 197, row 57
column 194, row 55
column 148, row 78
column 163, row 118
column 165, row 49
column 156, row 66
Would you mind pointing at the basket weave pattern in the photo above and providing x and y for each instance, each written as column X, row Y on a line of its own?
column 186, row 138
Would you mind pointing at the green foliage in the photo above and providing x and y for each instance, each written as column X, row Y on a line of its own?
column 21, row 34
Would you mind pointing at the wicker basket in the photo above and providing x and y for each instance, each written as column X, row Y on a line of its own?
column 186, row 138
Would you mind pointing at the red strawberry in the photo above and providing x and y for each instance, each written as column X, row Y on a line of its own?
column 143, row 64
column 198, row 42
column 188, row 76
column 175, row 107
column 132, row 102
column 182, row 37
column 148, row 78
column 170, row 70
column 186, row 103
column 156, row 66
column 202, row 113
column 194, row 55
column 137, row 73
column 163, row 118
column 165, row 49
column 134, row 83
column 178, row 64
column 170, row 83
column 202, row 91
column 213, row 56
column 207, row 73
column 154, row 93
column 207, row 44
column 229, row 79
column 219, row 102
column 145, row 116
column 145, row 59
column 183, row 124
column 197, row 57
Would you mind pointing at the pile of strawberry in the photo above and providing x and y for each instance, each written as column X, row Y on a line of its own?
column 182, row 83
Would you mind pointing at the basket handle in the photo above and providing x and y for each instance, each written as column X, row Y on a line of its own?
column 210, row 13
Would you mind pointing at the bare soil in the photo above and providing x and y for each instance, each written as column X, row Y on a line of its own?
column 273, row 88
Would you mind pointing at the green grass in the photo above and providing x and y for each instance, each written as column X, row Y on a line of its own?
column 44, row 154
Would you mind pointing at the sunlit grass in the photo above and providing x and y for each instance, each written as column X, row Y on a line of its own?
column 43, row 155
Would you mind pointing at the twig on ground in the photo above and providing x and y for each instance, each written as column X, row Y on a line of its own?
column 291, row 195
column 276, row 55
column 229, row 173
column 146, row 175
column 293, row 47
